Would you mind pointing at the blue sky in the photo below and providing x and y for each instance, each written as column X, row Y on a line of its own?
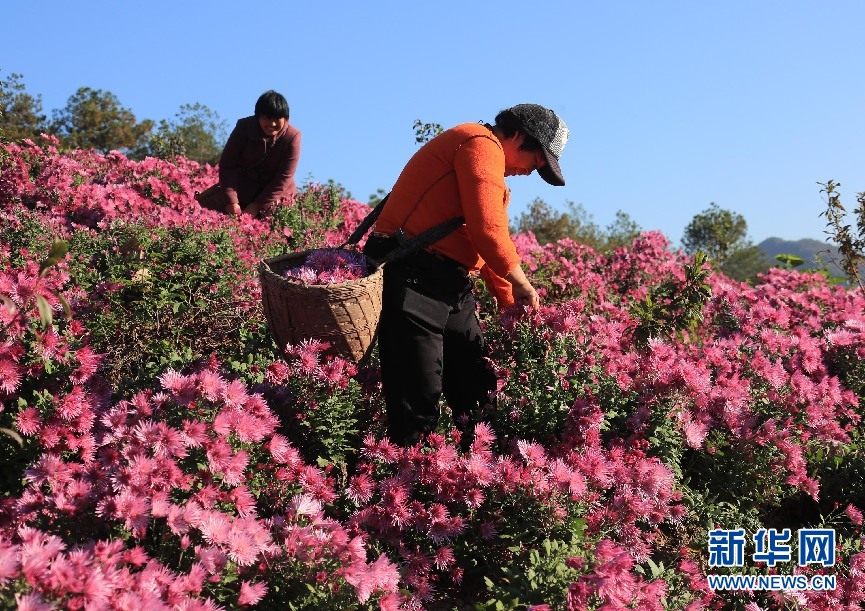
column 671, row 105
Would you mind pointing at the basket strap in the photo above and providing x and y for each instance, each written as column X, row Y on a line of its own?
column 423, row 239
column 407, row 246
column 366, row 223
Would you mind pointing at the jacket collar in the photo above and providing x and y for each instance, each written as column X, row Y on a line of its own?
column 254, row 132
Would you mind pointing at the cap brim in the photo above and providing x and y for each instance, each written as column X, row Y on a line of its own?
column 552, row 172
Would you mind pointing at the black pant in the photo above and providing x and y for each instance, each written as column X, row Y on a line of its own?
column 430, row 343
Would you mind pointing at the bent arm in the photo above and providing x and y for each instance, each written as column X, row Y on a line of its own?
column 480, row 170
column 479, row 165
column 500, row 288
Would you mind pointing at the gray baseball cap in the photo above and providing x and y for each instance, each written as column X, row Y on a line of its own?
column 546, row 127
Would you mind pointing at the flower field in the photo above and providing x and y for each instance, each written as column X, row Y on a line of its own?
column 161, row 452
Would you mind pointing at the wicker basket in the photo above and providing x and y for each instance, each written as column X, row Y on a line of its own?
column 344, row 315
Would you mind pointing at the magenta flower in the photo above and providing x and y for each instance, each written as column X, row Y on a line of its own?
column 251, row 593
column 854, row 514
column 326, row 266
column 10, row 376
column 9, row 561
column 32, row 602
column 361, row 488
column 29, row 422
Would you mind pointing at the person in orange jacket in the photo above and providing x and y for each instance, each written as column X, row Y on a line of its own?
column 430, row 341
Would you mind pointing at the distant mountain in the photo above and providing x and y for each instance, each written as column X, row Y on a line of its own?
column 809, row 249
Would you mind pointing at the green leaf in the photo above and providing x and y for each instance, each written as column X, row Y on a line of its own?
column 13, row 435
column 45, row 313
column 58, row 251
column 66, row 309
column 790, row 260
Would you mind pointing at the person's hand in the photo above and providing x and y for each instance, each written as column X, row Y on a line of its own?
column 526, row 295
column 252, row 210
column 523, row 291
column 233, row 209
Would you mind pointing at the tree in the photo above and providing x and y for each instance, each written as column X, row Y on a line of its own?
column 851, row 245
column 744, row 264
column 423, row 132
column 717, row 232
column 196, row 132
column 93, row 119
column 622, row 232
column 376, row 198
column 550, row 225
column 20, row 113
column 722, row 235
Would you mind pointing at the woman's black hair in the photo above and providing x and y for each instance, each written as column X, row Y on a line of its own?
column 271, row 104
column 509, row 124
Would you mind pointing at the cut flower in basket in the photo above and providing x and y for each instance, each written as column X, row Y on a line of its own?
column 329, row 266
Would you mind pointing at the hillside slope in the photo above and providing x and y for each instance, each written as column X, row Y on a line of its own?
column 816, row 253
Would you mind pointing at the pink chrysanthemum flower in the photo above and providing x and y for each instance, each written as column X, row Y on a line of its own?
column 444, row 558
column 219, row 455
column 249, row 428
column 242, row 548
column 212, row 559
column 282, row 451
column 182, row 388
column 88, row 364
column 392, row 602
column 305, row 505
column 484, row 436
column 194, row 433
column 171, row 380
column 215, row 526
column 210, row 384
column 73, row 404
column 479, row 466
column 329, row 267
column 10, row 376
column 31, row 602
column 533, row 453
column 234, row 394
column 444, row 530
column 474, row 498
column 381, row 574
column 379, row 449
column 854, row 514
column 361, row 488
column 488, row 530
column 243, row 500
column 9, row 563
column 134, row 510
column 29, row 422
column 251, row 593
column 232, row 473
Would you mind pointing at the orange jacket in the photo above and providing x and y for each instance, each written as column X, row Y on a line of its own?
column 459, row 173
